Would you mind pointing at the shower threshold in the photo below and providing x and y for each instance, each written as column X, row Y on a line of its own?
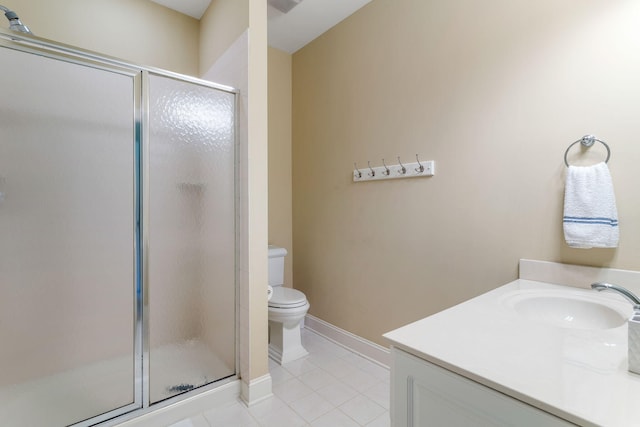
column 93, row 389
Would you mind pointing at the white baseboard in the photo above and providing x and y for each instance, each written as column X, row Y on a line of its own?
column 256, row 390
column 365, row 348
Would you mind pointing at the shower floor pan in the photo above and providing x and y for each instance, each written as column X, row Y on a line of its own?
column 90, row 390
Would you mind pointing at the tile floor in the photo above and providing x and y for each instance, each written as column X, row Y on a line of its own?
column 332, row 387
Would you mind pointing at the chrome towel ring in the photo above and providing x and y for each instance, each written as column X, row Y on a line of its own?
column 587, row 141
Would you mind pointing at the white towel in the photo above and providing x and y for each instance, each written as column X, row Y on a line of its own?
column 590, row 214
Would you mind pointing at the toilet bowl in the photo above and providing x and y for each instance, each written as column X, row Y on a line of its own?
column 287, row 308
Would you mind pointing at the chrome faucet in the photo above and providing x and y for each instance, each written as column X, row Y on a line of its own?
column 602, row 286
column 633, row 332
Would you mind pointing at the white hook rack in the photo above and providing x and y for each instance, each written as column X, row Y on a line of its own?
column 401, row 170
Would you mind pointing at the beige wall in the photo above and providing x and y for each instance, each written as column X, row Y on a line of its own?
column 222, row 23
column 139, row 31
column 494, row 92
column 257, row 189
column 280, row 211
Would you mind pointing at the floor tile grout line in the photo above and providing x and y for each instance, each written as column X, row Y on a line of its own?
column 338, row 407
column 340, row 380
column 320, row 345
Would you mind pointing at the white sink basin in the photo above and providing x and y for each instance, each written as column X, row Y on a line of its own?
column 571, row 308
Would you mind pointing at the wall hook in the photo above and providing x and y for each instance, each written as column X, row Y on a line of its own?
column 386, row 171
column 417, row 169
column 358, row 174
column 420, row 168
column 402, row 170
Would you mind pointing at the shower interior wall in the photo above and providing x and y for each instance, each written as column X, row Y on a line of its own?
column 139, row 31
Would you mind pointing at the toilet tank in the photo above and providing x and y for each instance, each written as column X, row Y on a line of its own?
column 276, row 265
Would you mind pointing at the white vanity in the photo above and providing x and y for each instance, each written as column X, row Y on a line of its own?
column 543, row 350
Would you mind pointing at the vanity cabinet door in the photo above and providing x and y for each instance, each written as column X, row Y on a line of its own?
column 425, row 395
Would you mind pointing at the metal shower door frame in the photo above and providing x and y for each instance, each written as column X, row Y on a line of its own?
column 140, row 97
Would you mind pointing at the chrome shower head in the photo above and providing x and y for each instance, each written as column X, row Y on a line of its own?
column 14, row 22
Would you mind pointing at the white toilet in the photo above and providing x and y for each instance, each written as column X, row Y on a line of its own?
column 287, row 308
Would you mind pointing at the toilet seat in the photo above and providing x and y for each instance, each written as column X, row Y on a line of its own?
column 287, row 298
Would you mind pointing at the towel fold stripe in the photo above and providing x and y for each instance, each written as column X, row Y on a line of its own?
column 581, row 220
column 591, row 217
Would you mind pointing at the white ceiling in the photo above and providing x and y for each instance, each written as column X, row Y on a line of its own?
column 306, row 21
column 290, row 31
column 193, row 8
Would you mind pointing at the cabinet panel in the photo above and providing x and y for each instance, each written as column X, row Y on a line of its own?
column 426, row 395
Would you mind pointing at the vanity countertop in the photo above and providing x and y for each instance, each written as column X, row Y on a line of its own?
column 579, row 375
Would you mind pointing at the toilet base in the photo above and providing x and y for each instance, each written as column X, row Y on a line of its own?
column 285, row 344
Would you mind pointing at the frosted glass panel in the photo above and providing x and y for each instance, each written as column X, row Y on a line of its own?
column 191, row 236
column 66, row 241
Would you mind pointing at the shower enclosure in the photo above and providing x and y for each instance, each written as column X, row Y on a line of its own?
column 117, row 235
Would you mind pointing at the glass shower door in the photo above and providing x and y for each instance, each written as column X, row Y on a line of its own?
column 67, row 240
column 191, row 235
